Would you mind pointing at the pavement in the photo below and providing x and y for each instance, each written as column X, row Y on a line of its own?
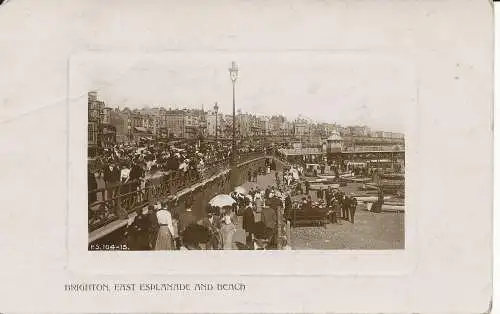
column 370, row 231
column 262, row 182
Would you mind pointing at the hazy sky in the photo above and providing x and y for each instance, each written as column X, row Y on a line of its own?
column 349, row 89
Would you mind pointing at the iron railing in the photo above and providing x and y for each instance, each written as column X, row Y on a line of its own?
column 377, row 148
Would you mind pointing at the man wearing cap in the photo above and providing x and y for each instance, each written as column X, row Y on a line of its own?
column 352, row 207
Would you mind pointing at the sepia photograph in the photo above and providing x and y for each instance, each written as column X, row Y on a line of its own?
column 329, row 135
column 193, row 160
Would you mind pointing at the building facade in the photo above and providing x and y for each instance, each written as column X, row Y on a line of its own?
column 174, row 122
column 95, row 109
column 194, row 125
column 214, row 120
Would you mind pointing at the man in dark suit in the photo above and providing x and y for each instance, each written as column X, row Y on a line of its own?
column 138, row 236
column 92, row 185
column 248, row 223
column 186, row 218
column 352, row 207
column 112, row 181
column 346, row 203
column 288, row 202
column 136, row 173
column 153, row 225
column 213, row 224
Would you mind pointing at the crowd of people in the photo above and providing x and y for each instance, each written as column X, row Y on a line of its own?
column 162, row 227
column 116, row 164
column 126, row 168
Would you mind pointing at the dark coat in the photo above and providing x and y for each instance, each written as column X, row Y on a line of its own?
column 92, row 181
column 248, row 220
column 185, row 219
column 112, row 177
column 288, row 202
column 136, row 172
column 138, row 233
column 269, row 217
column 92, row 185
column 153, row 222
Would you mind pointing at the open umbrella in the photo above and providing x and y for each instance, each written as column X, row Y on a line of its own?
column 222, row 200
column 241, row 190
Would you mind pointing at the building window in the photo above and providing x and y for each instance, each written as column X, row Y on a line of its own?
column 91, row 133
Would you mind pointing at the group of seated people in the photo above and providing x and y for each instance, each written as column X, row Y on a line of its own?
column 335, row 203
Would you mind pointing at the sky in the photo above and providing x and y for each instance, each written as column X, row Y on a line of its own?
column 350, row 89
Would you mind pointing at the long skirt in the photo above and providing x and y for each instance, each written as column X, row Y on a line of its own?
column 164, row 241
column 227, row 237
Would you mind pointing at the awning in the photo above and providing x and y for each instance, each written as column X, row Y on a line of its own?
column 379, row 160
column 301, row 151
column 140, row 129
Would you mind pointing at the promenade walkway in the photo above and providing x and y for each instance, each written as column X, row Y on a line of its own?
column 262, row 182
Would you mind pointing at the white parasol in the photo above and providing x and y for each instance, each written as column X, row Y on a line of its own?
column 240, row 190
column 222, row 200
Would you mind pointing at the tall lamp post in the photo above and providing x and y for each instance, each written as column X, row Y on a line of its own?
column 216, row 109
column 233, row 73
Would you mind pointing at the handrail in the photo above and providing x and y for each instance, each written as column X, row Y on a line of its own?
column 361, row 149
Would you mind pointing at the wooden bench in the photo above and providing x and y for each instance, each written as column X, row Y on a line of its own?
column 317, row 217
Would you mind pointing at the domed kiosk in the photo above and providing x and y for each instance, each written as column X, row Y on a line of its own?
column 334, row 143
column 334, row 147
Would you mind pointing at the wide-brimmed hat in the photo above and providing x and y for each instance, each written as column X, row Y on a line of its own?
column 261, row 231
column 195, row 234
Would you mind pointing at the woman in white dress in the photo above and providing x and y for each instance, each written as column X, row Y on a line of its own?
column 227, row 230
column 165, row 239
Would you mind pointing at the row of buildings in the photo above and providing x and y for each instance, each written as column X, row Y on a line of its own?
column 115, row 125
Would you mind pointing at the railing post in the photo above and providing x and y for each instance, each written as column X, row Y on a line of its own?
column 280, row 225
column 120, row 212
column 288, row 234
